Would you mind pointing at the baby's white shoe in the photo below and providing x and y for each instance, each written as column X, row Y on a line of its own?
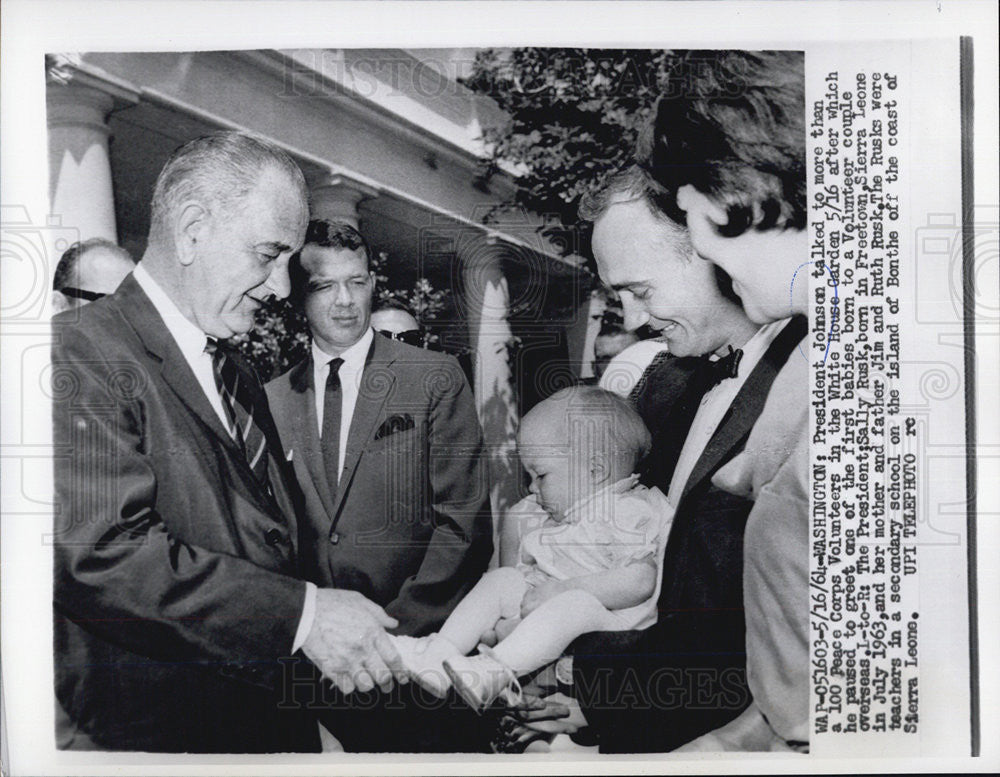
column 480, row 679
column 423, row 658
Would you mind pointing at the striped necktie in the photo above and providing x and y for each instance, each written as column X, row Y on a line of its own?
column 237, row 399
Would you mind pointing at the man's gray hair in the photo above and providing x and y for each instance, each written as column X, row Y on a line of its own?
column 633, row 184
column 220, row 168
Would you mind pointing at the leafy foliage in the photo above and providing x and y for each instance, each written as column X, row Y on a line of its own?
column 575, row 115
column 424, row 301
column 279, row 339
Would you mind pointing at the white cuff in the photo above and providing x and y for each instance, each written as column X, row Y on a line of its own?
column 308, row 615
column 564, row 670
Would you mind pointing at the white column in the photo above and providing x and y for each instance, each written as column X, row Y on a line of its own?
column 336, row 198
column 80, row 188
column 487, row 297
column 582, row 333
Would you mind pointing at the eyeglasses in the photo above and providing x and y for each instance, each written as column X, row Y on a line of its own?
column 83, row 294
column 410, row 336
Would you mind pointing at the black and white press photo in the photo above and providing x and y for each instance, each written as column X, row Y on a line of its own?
column 526, row 400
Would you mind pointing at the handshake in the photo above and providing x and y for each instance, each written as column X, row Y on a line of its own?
column 349, row 644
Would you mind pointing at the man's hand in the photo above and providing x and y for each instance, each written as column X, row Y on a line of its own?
column 349, row 644
column 551, row 714
column 539, row 594
column 538, row 718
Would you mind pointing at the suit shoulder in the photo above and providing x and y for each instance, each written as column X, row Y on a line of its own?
column 403, row 353
column 97, row 327
column 441, row 370
column 438, row 376
column 282, row 385
column 98, row 314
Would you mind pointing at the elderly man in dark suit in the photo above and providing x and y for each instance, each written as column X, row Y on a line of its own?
column 178, row 585
column 387, row 448
column 657, row 689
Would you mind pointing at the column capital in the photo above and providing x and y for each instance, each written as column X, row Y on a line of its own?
column 336, row 196
column 81, row 189
column 72, row 105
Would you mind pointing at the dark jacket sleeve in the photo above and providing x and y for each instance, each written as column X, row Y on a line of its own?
column 655, row 690
column 120, row 573
column 462, row 538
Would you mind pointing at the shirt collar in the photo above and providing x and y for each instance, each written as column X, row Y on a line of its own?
column 756, row 346
column 578, row 510
column 189, row 338
column 354, row 356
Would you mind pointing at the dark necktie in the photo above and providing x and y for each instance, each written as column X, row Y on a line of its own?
column 330, row 437
column 237, row 400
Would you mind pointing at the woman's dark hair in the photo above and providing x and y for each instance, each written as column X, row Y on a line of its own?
column 735, row 130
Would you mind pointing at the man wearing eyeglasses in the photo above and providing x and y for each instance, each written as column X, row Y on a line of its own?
column 87, row 271
column 387, row 448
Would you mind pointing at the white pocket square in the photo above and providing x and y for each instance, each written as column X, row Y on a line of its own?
column 290, row 454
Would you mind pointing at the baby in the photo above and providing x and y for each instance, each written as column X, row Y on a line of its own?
column 593, row 563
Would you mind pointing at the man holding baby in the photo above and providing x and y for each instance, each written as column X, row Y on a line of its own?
column 637, row 567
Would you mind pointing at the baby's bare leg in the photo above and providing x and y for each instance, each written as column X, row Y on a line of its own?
column 543, row 636
column 497, row 595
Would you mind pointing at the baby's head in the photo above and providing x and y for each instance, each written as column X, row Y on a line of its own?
column 578, row 441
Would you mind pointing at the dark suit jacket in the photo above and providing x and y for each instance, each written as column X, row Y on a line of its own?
column 176, row 581
column 655, row 690
column 409, row 525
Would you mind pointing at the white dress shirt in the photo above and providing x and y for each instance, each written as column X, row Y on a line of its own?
column 350, row 374
column 192, row 341
column 714, row 405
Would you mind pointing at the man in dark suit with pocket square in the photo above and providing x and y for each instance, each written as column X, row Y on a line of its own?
column 387, row 448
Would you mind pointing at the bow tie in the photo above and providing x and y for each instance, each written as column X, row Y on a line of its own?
column 726, row 367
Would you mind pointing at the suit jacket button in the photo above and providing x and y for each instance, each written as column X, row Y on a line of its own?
column 272, row 537
column 334, row 538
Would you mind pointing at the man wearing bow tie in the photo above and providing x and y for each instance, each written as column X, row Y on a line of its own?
column 657, row 689
column 387, row 448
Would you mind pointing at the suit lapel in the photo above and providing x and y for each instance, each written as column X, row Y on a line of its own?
column 747, row 405
column 149, row 326
column 139, row 311
column 374, row 389
column 306, row 430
